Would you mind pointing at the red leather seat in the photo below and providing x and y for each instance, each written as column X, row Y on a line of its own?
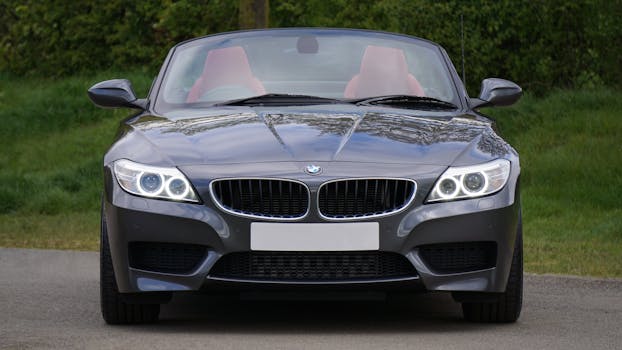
column 383, row 71
column 227, row 66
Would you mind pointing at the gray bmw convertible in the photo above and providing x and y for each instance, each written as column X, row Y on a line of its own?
column 309, row 160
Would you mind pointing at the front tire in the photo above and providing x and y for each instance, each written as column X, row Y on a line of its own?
column 507, row 307
column 114, row 309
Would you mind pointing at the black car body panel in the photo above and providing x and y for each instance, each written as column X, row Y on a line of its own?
column 346, row 141
column 346, row 133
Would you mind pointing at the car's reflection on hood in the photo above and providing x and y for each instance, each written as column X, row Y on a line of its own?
column 360, row 137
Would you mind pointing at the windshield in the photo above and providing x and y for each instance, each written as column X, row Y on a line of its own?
column 335, row 64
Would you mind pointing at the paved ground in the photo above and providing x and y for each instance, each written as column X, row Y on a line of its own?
column 49, row 299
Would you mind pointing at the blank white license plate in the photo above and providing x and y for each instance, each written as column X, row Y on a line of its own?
column 315, row 236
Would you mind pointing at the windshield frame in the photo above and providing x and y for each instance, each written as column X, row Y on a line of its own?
column 156, row 92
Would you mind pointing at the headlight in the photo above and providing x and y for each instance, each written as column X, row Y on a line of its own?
column 153, row 182
column 471, row 181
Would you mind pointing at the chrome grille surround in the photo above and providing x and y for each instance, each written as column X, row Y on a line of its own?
column 388, row 188
column 268, row 208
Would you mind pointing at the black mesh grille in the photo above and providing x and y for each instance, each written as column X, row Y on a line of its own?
column 312, row 266
column 364, row 197
column 166, row 257
column 262, row 197
column 459, row 257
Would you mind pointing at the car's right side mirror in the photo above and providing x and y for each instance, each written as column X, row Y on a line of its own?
column 497, row 92
column 115, row 93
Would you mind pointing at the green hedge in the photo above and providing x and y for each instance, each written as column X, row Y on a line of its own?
column 540, row 44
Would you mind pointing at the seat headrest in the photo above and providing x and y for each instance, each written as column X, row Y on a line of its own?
column 384, row 61
column 229, row 60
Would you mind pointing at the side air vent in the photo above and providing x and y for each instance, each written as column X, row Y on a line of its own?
column 166, row 257
column 459, row 257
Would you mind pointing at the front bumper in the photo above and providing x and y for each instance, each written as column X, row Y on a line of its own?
column 134, row 219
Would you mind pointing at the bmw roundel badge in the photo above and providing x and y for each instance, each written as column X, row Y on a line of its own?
column 313, row 169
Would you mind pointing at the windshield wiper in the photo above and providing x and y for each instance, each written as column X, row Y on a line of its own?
column 279, row 100
column 405, row 101
column 399, row 101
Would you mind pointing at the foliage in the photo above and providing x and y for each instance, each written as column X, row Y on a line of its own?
column 540, row 44
column 64, row 37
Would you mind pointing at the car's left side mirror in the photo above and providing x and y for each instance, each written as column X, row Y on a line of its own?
column 497, row 92
column 115, row 93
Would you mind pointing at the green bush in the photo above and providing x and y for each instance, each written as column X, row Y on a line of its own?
column 539, row 44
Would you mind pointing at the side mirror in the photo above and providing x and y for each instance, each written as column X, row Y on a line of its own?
column 115, row 93
column 497, row 92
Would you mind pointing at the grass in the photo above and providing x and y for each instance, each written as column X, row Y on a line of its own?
column 72, row 230
column 53, row 139
column 571, row 159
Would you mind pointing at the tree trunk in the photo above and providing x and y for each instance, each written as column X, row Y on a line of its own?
column 253, row 14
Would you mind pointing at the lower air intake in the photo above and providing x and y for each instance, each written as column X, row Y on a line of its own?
column 166, row 257
column 312, row 266
column 459, row 257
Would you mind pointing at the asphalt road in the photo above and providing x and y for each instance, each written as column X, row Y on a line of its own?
column 49, row 299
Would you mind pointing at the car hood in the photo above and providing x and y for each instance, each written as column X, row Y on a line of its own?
column 255, row 136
